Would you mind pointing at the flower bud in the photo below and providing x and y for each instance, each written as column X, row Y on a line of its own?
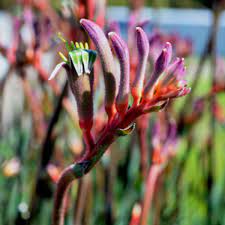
column 160, row 65
column 143, row 52
column 171, row 84
column 105, row 54
column 174, row 71
column 122, row 53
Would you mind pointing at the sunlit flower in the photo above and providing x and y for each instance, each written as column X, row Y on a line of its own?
column 149, row 94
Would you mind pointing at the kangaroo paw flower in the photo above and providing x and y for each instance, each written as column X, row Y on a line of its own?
column 78, row 67
column 122, row 53
column 160, row 65
column 143, row 52
column 98, row 37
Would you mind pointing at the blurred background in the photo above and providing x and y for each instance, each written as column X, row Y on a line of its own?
column 40, row 135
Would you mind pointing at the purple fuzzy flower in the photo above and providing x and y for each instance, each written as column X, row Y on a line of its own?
column 98, row 37
column 143, row 52
column 122, row 53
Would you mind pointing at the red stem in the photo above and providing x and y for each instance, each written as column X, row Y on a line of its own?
column 65, row 179
column 88, row 161
column 152, row 179
column 88, row 139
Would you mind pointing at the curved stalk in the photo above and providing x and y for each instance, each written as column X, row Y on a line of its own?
column 77, row 170
column 81, row 199
column 153, row 175
column 85, row 164
column 59, row 201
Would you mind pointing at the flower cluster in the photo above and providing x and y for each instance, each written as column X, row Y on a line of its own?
column 149, row 94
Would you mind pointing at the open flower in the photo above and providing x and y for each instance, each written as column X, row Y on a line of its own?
column 170, row 84
column 79, row 72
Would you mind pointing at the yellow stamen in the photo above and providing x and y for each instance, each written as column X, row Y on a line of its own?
column 77, row 45
column 86, row 45
column 81, row 45
column 63, row 57
column 61, row 37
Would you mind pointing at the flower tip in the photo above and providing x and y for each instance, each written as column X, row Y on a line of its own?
column 52, row 75
column 138, row 29
column 142, row 42
column 116, row 40
column 60, row 36
column 110, row 34
column 141, row 33
column 168, row 43
column 85, row 23
column 82, row 20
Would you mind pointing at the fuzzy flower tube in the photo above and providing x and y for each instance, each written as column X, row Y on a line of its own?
column 166, row 82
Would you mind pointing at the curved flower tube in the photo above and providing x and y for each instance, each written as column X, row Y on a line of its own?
column 122, row 53
column 143, row 53
column 98, row 37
